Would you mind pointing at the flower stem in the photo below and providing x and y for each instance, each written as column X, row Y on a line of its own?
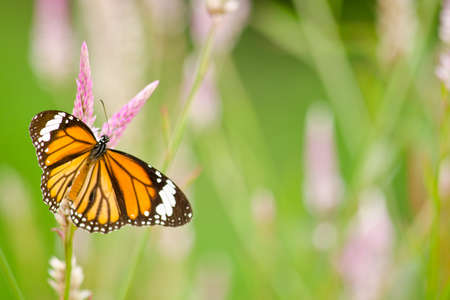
column 68, row 245
column 200, row 75
column 7, row 272
column 172, row 149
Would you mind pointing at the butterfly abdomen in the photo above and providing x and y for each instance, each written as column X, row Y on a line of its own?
column 79, row 181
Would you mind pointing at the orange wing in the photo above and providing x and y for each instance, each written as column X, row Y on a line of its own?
column 146, row 196
column 63, row 144
column 121, row 189
column 94, row 202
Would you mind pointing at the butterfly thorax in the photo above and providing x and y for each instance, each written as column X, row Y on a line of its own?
column 99, row 148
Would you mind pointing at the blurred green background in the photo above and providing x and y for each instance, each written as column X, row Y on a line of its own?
column 315, row 156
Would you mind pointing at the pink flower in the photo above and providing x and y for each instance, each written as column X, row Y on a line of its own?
column 443, row 69
column 84, row 102
column 367, row 253
column 444, row 28
column 52, row 39
column 444, row 178
column 323, row 184
column 119, row 121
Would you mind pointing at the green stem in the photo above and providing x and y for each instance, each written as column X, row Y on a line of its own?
column 68, row 245
column 200, row 75
column 4, row 266
column 172, row 149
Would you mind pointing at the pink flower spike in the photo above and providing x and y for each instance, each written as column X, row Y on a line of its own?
column 84, row 101
column 119, row 121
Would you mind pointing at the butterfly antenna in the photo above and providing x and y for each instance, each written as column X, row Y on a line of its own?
column 106, row 115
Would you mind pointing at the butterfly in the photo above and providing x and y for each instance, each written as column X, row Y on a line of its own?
column 106, row 188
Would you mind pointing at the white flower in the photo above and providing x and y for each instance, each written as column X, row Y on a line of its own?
column 57, row 277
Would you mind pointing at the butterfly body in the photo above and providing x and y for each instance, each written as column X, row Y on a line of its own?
column 100, row 147
column 106, row 188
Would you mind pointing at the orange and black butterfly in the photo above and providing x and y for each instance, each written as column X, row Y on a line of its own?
column 106, row 188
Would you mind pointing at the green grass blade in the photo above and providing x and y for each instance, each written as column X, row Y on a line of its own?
column 4, row 266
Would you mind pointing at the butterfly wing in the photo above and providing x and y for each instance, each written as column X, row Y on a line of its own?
column 63, row 144
column 147, row 195
column 95, row 204
column 125, row 190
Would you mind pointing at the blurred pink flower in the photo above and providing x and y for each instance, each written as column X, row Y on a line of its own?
column 323, row 184
column 444, row 178
column 443, row 69
column 52, row 40
column 206, row 106
column 444, row 28
column 366, row 255
column 229, row 28
column 84, row 102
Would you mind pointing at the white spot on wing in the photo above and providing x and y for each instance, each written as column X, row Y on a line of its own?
column 53, row 122
column 160, row 209
column 49, row 128
column 167, row 195
column 44, row 138
column 170, row 183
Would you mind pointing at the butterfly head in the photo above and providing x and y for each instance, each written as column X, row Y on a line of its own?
column 104, row 139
